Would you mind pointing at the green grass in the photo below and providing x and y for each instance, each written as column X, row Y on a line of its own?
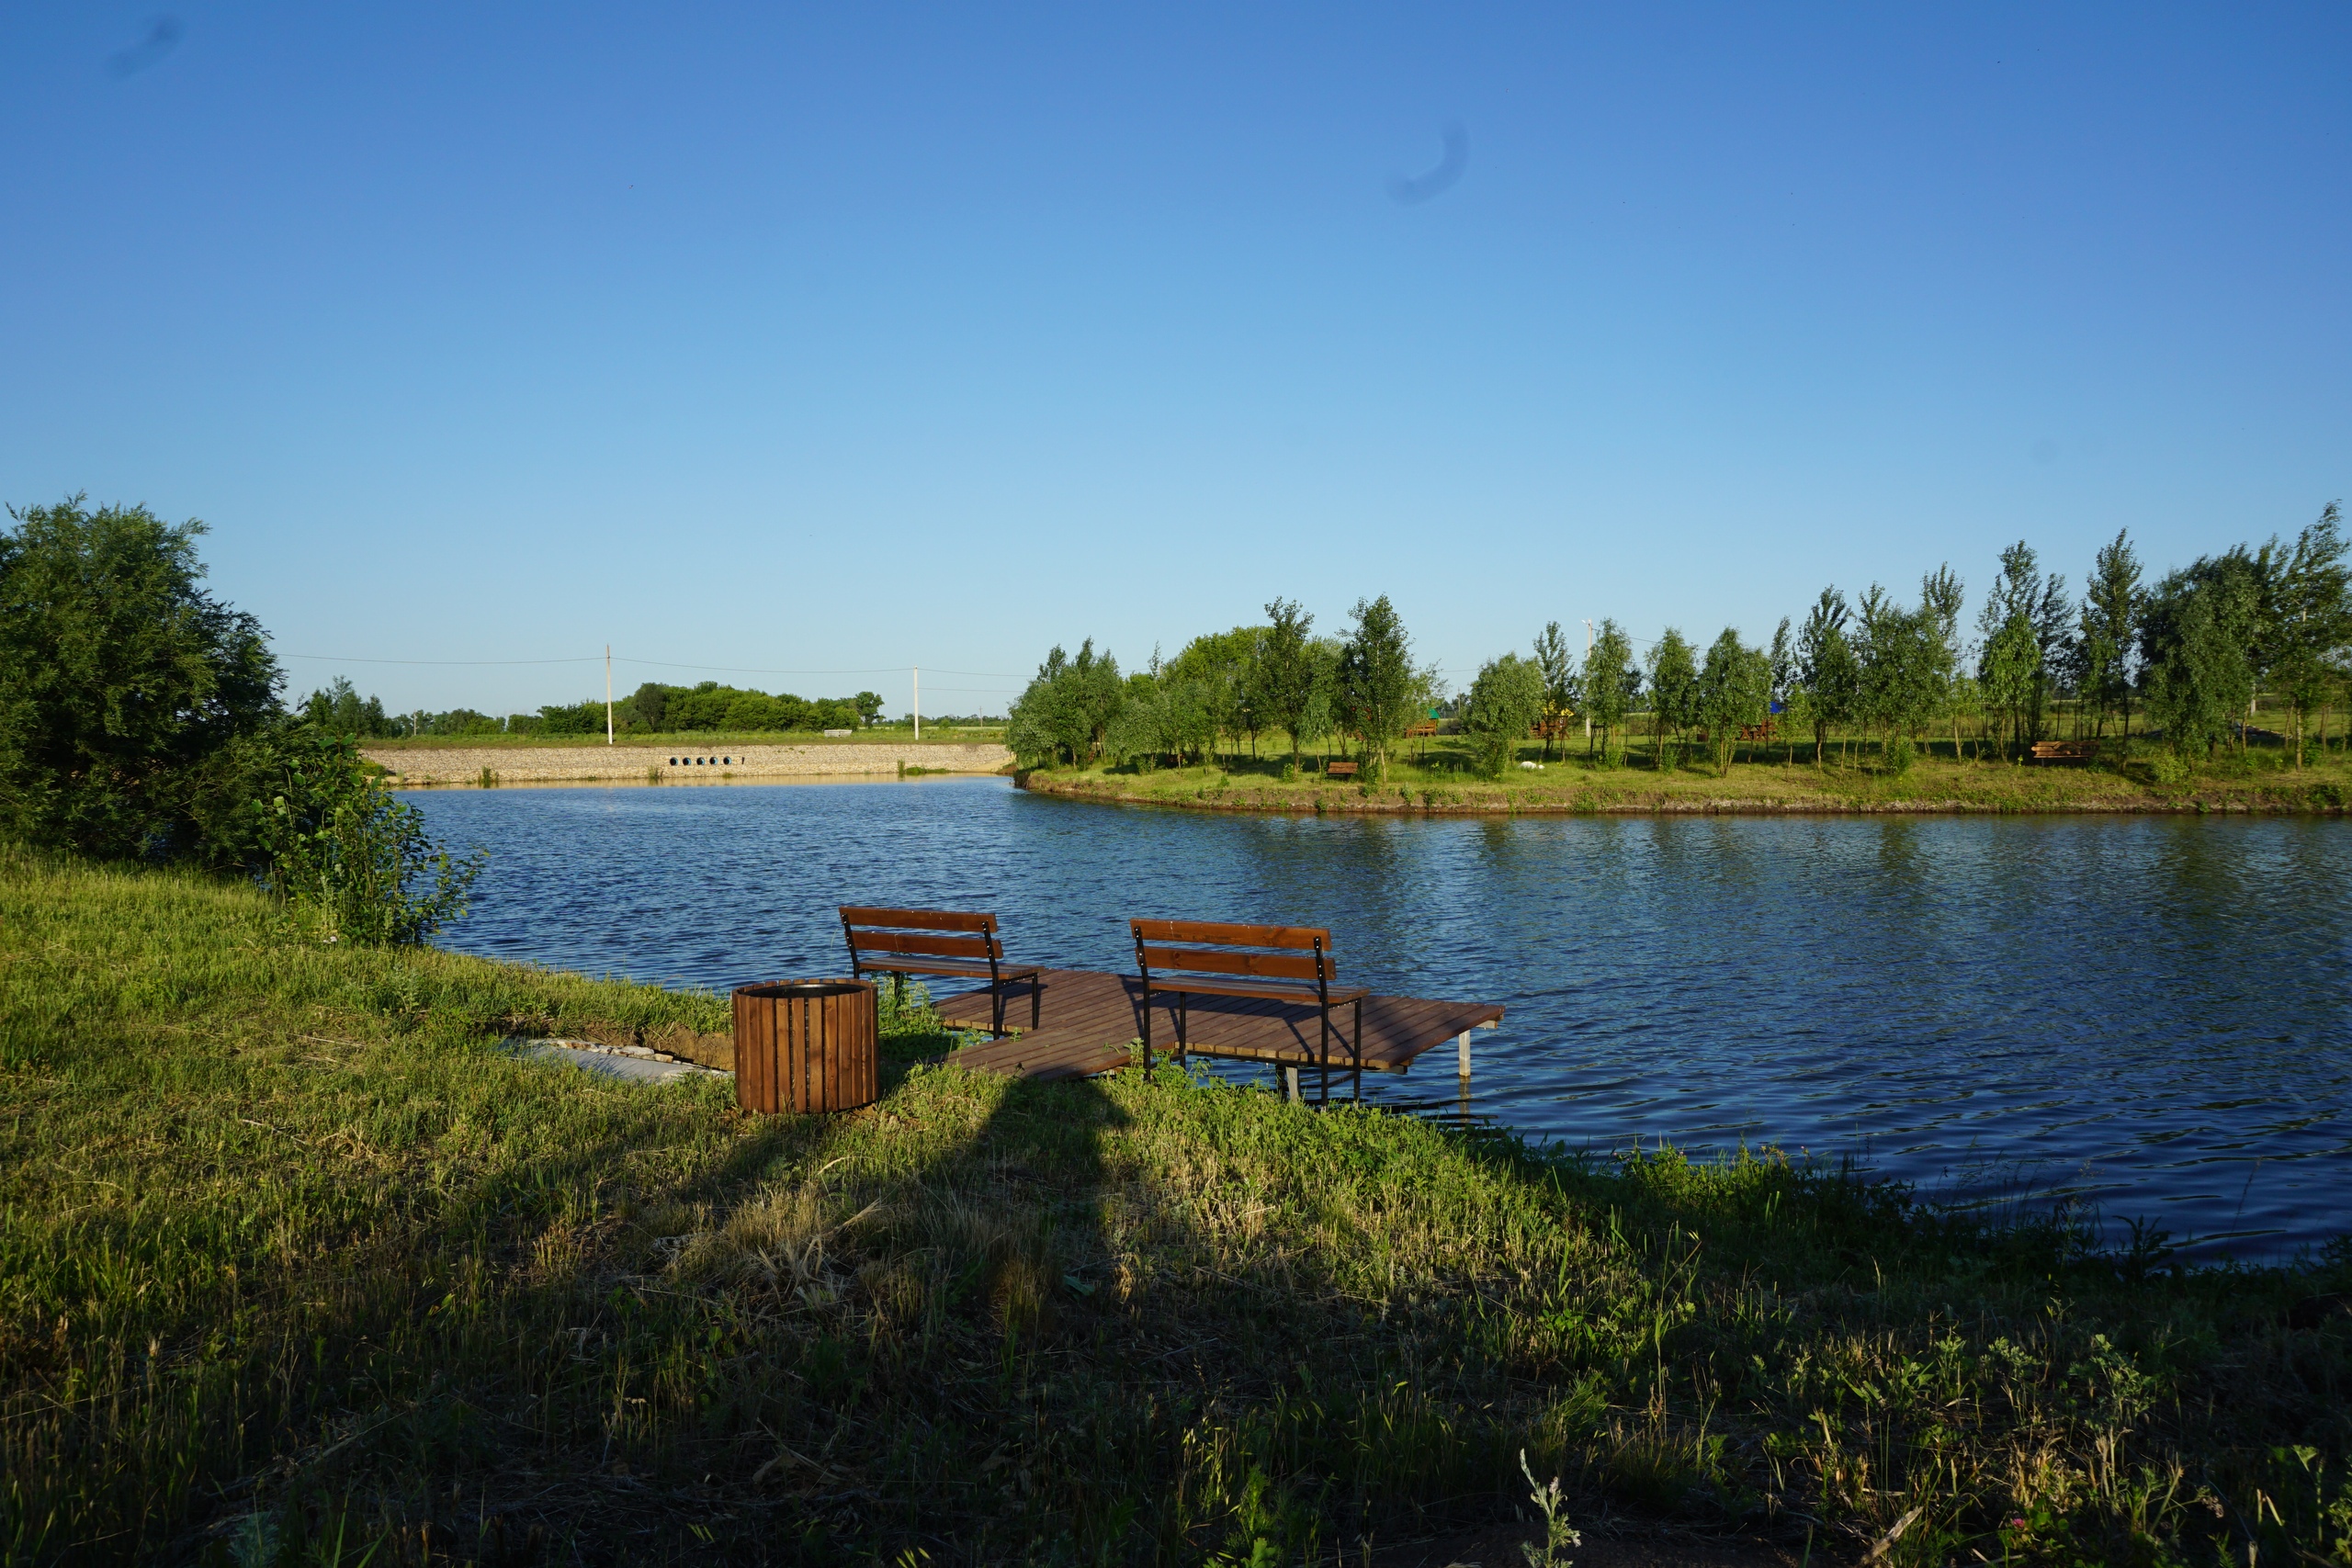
column 292, row 1258
column 1438, row 775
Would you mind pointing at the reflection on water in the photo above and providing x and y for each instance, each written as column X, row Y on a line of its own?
column 2148, row 1012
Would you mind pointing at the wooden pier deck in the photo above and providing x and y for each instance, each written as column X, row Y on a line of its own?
column 1089, row 1018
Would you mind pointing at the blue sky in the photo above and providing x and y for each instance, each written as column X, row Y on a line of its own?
column 852, row 338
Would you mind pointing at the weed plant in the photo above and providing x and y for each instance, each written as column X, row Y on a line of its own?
column 296, row 1264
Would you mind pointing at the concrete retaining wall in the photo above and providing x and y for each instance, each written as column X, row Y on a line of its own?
column 636, row 764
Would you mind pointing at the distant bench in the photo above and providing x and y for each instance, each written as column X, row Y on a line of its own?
column 1339, row 769
column 2065, row 750
column 937, row 941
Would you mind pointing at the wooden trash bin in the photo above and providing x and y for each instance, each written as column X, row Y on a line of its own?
column 803, row 1046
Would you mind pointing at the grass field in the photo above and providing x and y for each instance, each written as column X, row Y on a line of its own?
column 1436, row 776
column 296, row 1267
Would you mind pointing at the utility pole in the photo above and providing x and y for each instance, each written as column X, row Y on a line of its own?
column 1588, row 696
column 916, row 670
column 608, row 694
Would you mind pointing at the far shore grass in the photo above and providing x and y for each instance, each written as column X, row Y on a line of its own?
column 1437, row 777
column 296, row 1265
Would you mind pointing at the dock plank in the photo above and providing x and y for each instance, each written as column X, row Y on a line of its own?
column 1089, row 1018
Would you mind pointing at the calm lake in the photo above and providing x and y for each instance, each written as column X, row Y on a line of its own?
column 2150, row 1014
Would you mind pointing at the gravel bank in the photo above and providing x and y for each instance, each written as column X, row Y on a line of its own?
column 640, row 764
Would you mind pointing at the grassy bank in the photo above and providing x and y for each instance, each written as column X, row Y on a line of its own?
column 289, row 1252
column 1437, row 777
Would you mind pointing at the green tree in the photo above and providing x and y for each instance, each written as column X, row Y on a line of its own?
column 2110, row 631
column 1674, row 688
column 338, row 709
column 122, row 682
column 1941, row 595
column 1378, row 681
column 1557, row 665
column 2313, row 607
column 647, row 706
column 869, row 708
column 340, row 846
column 1506, row 699
column 1829, row 676
column 1607, row 696
column 1065, row 711
column 1782, row 660
column 1219, row 664
column 2024, row 623
column 1735, row 690
column 1283, row 676
column 2197, row 630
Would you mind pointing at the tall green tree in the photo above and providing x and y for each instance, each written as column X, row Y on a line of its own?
column 1941, row 595
column 1557, row 663
column 1735, row 690
column 1219, row 663
column 2197, row 630
column 1285, row 673
column 2024, row 623
column 1674, row 688
column 2312, row 609
column 1066, row 708
column 1507, row 699
column 1378, row 681
column 1828, row 675
column 1606, row 695
column 123, row 683
column 2109, row 640
column 1781, row 659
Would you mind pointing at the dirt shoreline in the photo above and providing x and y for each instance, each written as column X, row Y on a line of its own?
column 674, row 764
column 1362, row 801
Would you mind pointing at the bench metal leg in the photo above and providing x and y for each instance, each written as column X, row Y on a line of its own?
column 1036, row 999
column 1147, row 1028
column 1184, row 1038
column 1359, row 1050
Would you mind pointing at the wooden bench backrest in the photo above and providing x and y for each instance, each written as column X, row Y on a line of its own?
column 922, row 933
column 1302, row 952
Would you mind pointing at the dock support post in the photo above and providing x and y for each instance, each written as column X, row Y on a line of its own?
column 1290, row 1084
column 1461, row 1051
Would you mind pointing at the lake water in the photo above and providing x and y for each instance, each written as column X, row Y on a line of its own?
column 2150, row 1014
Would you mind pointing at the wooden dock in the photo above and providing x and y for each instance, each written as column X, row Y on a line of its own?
column 1089, row 1022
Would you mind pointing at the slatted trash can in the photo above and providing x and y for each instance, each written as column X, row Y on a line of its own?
column 803, row 1046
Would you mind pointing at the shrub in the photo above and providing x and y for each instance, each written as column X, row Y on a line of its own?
column 335, row 843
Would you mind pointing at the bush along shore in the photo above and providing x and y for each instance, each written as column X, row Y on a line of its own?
column 1441, row 780
column 298, row 1264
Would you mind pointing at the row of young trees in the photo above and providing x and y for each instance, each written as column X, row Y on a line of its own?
column 652, row 709
column 1230, row 687
column 2190, row 653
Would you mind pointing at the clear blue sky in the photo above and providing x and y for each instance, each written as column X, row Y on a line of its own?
column 861, row 336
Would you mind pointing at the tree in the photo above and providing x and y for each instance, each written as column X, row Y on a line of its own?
column 1507, row 699
column 2110, row 627
column 339, row 710
column 1219, row 663
column 1284, row 674
column 1942, row 595
column 1674, row 688
column 122, row 682
column 2026, row 614
column 1782, row 663
column 1377, row 679
column 2196, row 632
column 1066, row 708
column 1607, row 664
column 2313, row 605
column 869, row 707
column 1735, row 690
column 338, row 844
column 647, row 706
column 1827, row 673
column 1558, row 665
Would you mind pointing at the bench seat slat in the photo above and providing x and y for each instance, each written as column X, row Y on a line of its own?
column 917, row 943
column 1265, row 989
column 948, row 966
column 921, row 920
column 1231, row 935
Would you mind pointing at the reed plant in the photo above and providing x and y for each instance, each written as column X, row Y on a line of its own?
column 298, row 1265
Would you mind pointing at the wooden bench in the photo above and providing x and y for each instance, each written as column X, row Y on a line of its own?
column 900, row 942
column 1420, row 729
column 1282, row 963
column 2065, row 750
column 1339, row 769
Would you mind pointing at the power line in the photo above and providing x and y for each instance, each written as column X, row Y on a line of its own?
column 654, row 663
